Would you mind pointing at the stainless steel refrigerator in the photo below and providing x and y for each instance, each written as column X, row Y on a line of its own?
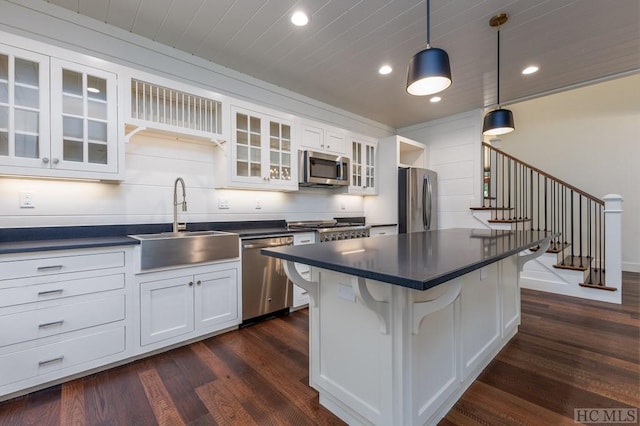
column 417, row 200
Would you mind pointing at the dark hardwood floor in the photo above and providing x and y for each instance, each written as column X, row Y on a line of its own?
column 569, row 353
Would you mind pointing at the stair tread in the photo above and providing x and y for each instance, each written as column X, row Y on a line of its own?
column 596, row 280
column 491, row 208
column 555, row 247
column 573, row 263
column 508, row 220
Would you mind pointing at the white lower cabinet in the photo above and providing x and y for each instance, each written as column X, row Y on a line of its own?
column 185, row 303
column 62, row 313
column 300, row 295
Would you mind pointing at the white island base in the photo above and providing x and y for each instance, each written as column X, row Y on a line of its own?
column 389, row 355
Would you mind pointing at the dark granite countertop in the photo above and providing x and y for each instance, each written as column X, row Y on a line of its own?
column 419, row 260
column 64, row 244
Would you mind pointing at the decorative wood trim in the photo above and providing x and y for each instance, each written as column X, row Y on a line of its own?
column 381, row 309
column 310, row 286
column 524, row 258
column 442, row 300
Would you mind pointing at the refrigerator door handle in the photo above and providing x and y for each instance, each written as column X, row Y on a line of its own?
column 426, row 202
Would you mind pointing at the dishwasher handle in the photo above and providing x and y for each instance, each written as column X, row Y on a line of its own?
column 266, row 243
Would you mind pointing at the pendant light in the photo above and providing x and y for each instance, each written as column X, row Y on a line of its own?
column 500, row 120
column 429, row 70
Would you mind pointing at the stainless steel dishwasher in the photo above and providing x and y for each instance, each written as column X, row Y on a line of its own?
column 265, row 286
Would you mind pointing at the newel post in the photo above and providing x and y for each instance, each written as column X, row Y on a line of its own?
column 613, row 242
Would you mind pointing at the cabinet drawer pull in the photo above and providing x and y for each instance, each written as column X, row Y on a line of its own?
column 305, row 292
column 49, row 268
column 50, row 292
column 304, row 241
column 50, row 361
column 382, row 233
column 305, row 272
column 50, row 324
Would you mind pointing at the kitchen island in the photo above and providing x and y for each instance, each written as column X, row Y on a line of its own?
column 401, row 325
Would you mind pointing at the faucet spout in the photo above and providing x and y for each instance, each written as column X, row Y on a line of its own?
column 179, row 226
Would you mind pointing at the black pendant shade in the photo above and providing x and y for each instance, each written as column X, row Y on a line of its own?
column 498, row 122
column 429, row 72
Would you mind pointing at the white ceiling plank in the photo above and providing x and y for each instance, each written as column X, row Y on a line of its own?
column 150, row 16
column 121, row 13
column 96, row 9
column 335, row 58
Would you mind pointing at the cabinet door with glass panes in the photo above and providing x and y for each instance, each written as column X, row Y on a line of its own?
column 83, row 118
column 24, row 109
column 363, row 167
column 262, row 151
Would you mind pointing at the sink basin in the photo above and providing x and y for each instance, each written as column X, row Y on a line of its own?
column 186, row 248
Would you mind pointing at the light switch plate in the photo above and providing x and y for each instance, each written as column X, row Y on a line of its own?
column 346, row 292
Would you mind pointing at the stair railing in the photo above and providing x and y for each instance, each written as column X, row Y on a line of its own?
column 531, row 199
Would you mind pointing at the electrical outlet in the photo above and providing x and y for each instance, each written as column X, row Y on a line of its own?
column 223, row 203
column 258, row 204
column 27, row 200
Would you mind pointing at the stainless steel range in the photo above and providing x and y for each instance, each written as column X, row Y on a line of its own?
column 333, row 230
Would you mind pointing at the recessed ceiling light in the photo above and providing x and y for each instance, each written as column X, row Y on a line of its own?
column 530, row 70
column 385, row 69
column 299, row 19
column 435, row 99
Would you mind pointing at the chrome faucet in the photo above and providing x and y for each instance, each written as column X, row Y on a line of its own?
column 179, row 226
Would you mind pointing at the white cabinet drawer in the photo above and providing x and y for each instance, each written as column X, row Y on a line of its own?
column 61, row 355
column 39, row 323
column 70, row 286
column 60, row 264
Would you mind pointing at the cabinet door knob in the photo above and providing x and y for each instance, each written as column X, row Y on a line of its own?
column 45, row 160
column 190, row 283
column 55, row 161
column 198, row 282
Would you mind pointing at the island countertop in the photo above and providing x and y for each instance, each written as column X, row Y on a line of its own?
column 418, row 260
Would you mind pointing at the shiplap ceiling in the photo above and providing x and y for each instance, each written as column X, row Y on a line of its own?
column 336, row 57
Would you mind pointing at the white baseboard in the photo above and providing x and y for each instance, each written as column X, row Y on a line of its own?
column 631, row 266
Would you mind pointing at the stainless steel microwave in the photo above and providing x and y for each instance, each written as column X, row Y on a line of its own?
column 318, row 169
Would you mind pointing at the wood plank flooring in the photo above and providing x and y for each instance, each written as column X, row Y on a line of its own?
column 569, row 353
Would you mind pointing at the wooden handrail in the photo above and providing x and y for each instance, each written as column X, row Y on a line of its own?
column 547, row 175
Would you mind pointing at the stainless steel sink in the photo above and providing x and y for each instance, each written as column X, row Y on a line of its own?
column 186, row 248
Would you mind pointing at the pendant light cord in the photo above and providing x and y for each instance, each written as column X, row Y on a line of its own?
column 498, row 91
column 428, row 25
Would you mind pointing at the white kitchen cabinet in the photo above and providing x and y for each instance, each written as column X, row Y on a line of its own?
column 320, row 138
column 24, row 109
column 363, row 166
column 83, row 120
column 261, row 154
column 62, row 313
column 376, row 231
column 160, row 106
column 300, row 295
column 58, row 118
column 184, row 303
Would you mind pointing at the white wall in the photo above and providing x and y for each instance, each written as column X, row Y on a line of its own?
column 590, row 138
column 153, row 164
column 146, row 195
column 454, row 153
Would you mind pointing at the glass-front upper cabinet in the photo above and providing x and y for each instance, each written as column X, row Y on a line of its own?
column 262, row 151
column 83, row 118
column 363, row 166
column 279, row 151
column 24, row 108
